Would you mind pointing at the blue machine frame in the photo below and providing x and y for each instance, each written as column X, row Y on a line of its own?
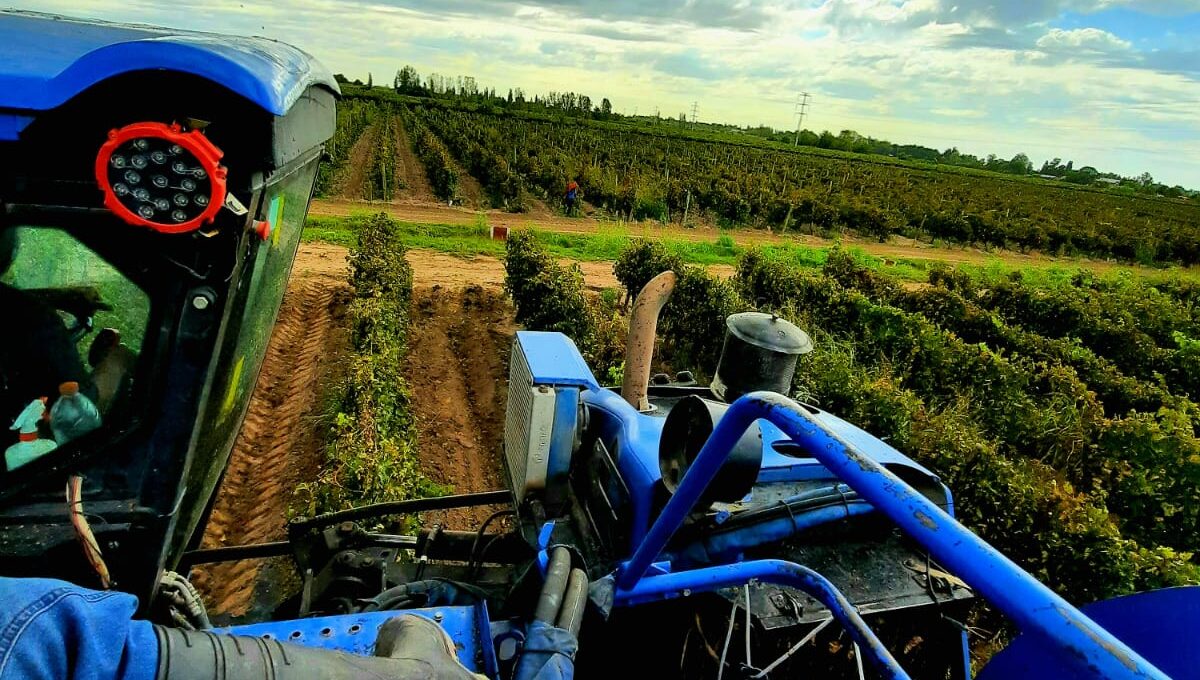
column 1031, row 605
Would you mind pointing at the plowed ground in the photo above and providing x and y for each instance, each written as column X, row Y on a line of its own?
column 462, row 328
column 280, row 445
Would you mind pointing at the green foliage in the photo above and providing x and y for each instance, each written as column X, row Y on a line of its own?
column 382, row 179
column 641, row 261
column 371, row 456
column 692, row 324
column 641, row 173
column 547, row 296
column 443, row 178
column 550, row 297
column 475, row 147
column 1022, row 506
column 354, row 117
column 1019, row 409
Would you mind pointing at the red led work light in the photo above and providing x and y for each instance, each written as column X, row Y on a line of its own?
column 158, row 176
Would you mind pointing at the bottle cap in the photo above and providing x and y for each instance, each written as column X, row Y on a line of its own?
column 68, row 389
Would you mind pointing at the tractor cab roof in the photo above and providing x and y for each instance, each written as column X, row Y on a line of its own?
column 46, row 60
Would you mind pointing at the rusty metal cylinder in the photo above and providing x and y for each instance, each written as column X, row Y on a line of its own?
column 639, row 345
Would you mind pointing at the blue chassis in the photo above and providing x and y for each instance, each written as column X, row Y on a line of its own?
column 1057, row 639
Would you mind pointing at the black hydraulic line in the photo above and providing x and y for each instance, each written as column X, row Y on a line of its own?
column 392, row 541
column 234, row 553
column 574, row 602
column 482, row 528
column 550, row 600
column 465, row 500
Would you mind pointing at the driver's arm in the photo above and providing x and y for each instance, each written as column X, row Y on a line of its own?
column 51, row 629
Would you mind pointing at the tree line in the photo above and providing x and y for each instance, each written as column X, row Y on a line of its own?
column 408, row 81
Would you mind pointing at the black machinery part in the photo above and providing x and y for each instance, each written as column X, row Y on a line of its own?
column 687, row 427
column 760, row 353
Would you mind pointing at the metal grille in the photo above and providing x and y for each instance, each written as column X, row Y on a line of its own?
column 529, row 419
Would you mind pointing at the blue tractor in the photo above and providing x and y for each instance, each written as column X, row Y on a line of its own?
column 152, row 194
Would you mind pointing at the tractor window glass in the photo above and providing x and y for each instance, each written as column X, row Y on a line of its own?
column 74, row 326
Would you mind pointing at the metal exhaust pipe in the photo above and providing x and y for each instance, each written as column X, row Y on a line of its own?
column 639, row 346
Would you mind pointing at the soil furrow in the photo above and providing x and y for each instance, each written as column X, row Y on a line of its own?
column 278, row 446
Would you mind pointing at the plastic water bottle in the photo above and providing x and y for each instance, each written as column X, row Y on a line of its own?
column 30, row 447
column 73, row 415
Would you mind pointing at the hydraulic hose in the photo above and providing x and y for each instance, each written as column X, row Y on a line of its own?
column 550, row 601
column 574, row 602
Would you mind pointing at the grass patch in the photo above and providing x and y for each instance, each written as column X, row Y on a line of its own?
column 610, row 240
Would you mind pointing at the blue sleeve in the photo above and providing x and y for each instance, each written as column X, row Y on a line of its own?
column 51, row 629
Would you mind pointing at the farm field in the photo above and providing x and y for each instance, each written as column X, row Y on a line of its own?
column 437, row 151
column 1053, row 389
column 1010, row 386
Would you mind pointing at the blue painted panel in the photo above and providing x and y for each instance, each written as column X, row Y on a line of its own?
column 1160, row 625
column 356, row 633
column 554, row 360
column 632, row 439
column 12, row 125
column 46, row 60
column 562, row 435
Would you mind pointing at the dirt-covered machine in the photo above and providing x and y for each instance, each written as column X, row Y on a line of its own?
column 152, row 193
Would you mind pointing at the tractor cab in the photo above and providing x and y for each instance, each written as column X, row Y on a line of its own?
column 152, row 194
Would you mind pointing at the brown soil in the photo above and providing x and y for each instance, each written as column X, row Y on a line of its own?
column 896, row 249
column 457, row 368
column 352, row 180
column 279, row 446
column 416, row 182
column 470, row 191
column 432, row 268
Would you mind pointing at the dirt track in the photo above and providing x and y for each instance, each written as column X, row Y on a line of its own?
column 458, row 364
column 352, row 180
column 279, row 445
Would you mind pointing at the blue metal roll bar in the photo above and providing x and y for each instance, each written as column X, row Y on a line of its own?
column 1031, row 605
column 780, row 572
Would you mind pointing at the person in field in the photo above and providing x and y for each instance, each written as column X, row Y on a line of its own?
column 571, row 197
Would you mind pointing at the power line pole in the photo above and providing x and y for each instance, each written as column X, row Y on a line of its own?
column 801, row 107
column 694, row 104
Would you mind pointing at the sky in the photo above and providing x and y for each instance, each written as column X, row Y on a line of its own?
column 1112, row 83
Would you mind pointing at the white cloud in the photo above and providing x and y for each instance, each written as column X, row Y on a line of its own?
column 976, row 74
column 1086, row 39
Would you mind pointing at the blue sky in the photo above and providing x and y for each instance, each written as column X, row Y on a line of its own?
column 1110, row 83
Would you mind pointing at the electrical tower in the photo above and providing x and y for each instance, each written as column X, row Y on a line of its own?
column 801, row 108
column 694, row 104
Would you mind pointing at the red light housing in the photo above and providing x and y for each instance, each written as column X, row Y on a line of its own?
column 158, row 176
